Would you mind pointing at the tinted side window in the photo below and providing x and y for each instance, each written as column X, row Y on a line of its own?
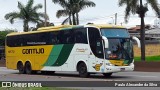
column 29, row 39
column 14, row 41
column 80, row 35
column 54, row 38
column 63, row 37
column 11, row 40
column 43, row 38
column 95, row 42
column 68, row 37
column 49, row 38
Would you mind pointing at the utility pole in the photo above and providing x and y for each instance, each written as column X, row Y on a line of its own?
column 116, row 19
column 112, row 20
column 45, row 11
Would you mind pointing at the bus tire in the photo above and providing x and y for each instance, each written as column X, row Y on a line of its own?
column 28, row 68
column 20, row 68
column 82, row 69
column 107, row 74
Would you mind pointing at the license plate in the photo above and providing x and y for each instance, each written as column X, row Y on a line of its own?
column 122, row 69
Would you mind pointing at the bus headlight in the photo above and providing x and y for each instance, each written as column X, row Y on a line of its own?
column 131, row 64
column 109, row 64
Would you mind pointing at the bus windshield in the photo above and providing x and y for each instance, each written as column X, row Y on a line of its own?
column 115, row 33
column 120, row 45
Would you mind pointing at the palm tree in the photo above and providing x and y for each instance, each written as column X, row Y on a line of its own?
column 27, row 13
column 79, row 5
column 65, row 11
column 71, row 8
column 137, row 7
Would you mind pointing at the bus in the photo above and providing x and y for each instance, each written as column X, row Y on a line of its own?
column 85, row 49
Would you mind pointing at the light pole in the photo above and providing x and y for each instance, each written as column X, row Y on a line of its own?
column 115, row 18
column 45, row 11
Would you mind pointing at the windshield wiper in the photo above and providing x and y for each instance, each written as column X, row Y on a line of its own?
column 126, row 53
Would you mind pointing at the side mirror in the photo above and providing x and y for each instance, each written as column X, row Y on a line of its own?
column 106, row 43
column 137, row 40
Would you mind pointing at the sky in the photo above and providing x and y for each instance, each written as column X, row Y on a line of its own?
column 103, row 13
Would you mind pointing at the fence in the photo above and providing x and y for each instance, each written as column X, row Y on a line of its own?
column 2, row 53
column 151, row 50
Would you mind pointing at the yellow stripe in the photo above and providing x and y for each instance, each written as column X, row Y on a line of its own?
column 117, row 62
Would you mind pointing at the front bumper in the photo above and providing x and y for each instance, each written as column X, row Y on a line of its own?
column 110, row 69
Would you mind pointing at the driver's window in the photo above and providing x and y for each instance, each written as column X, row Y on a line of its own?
column 95, row 42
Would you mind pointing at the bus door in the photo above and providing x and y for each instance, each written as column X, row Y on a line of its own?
column 96, row 57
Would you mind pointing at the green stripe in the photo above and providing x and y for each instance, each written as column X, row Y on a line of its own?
column 80, row 26
column 64, row 54
column 66, row 28
column 125, row 61
column 129, row 61
column 53, row 55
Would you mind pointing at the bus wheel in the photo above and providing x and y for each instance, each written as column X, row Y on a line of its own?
column 82, row 69
column 20, row 68
column 107, row 74
column 28, row 68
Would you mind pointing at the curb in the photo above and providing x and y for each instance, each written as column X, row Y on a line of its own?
column 147, row 66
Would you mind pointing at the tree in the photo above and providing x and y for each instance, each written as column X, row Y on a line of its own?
column 27, row 13
column 71, row 8
column 79, row 5
column 137, row 7
column 39, row 25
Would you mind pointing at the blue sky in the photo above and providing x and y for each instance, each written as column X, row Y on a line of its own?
column 102, row 13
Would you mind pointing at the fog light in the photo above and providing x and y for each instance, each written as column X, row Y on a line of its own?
column 109, row 64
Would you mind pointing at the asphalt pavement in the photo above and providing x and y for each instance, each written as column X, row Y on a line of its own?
column 12, row 75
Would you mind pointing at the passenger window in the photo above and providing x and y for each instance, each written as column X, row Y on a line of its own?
column 81, row 35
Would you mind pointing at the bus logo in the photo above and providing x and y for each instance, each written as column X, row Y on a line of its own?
column 6, row 84
column 97, row 67
column 33, row 51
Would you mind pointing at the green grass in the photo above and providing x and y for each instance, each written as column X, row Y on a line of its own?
column 42, row 88
column 149, row 58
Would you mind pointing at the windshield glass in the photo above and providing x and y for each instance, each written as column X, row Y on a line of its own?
column 120, row 45
column 116, row 33
column 119, row 49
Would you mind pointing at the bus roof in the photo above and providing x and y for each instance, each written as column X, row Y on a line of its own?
column 105, row 26
column 65, row 27
column 62, row 27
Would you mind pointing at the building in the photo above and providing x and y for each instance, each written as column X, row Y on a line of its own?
column 137, row 28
